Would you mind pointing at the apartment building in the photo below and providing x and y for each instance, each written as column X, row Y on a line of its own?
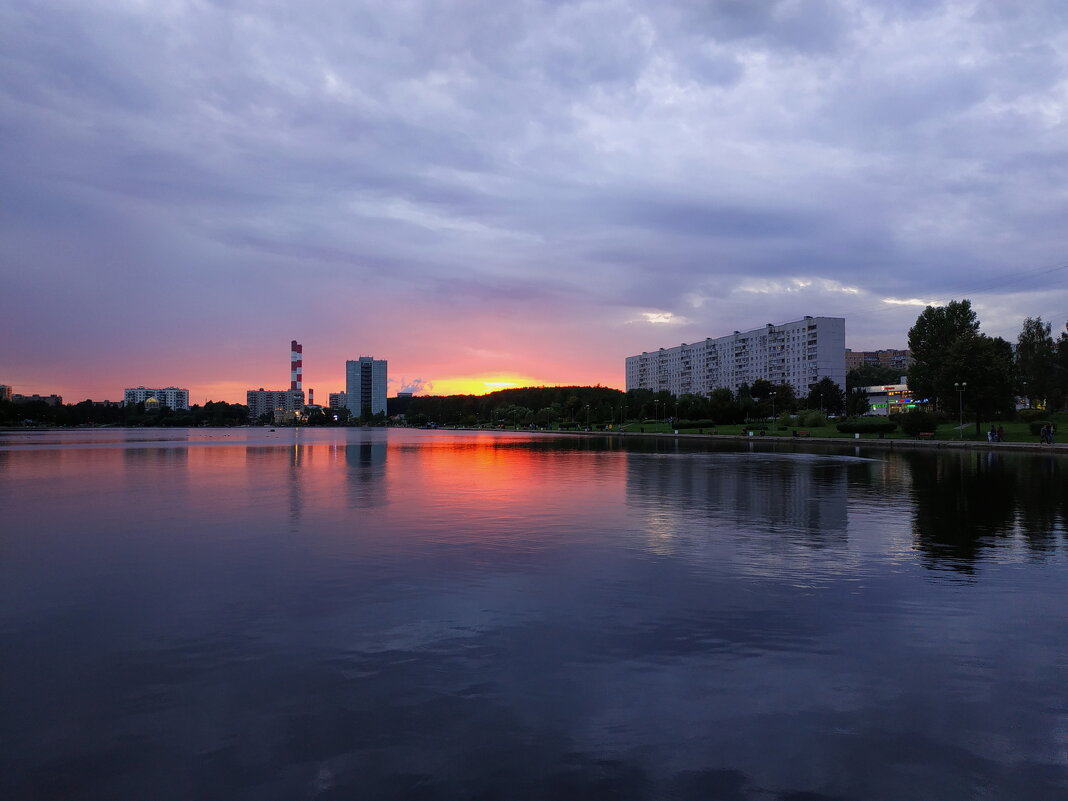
column 365, row 385
column 899, row 360
column 799, row 353
column 172, row 397
column 261, row 401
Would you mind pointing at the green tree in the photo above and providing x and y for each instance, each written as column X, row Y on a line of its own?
column 932, row 339
column 986, row 364
column 857, row 402
column 785, row 398
column 1059, row 392
column 826, row 396
column 722, row 407
column 1035, row 361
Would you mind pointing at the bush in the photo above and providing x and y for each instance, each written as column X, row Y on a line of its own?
column 681, row 424
column 811, row 418
column 1036, row 426
column 868, row 425
column 917, row 422
column 1032, row 416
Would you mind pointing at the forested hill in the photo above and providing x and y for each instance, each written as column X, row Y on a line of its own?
column 555, row 403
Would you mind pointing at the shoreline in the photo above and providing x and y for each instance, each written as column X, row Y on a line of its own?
column 899, row 442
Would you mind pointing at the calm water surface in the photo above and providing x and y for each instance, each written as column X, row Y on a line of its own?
column 249, row 614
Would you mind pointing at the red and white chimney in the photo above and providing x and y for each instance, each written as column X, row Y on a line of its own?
column 296, row 365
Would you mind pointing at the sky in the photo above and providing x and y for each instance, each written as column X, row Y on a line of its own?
column 493, row 194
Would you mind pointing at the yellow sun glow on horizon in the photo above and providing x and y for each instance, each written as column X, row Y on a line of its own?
column 481, row 384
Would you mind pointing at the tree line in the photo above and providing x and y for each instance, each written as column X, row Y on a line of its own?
column 87, row 413
column 579, row 407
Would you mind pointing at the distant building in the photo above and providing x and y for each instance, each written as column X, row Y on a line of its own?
column 365, row 386
column 51, row 400
column 899, row 360
column 5, row 392
column 168, row 396
column 263, row 401
column 272, row 401
column 799, row 353
column 405, row 395
column 337, row 400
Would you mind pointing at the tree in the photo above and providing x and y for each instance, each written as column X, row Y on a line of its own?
column 722, row 407
column 785, row 398
column 1059, row 394
column 932, row 339
column 1035, row 361
column 857, row 403
column 826, row 396
column 985, row 364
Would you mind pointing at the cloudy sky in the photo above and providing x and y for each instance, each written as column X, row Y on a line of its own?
column 487, row 192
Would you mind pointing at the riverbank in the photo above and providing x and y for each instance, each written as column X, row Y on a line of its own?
column 865, row 440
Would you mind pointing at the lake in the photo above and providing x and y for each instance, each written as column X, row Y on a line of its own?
column 359, row 613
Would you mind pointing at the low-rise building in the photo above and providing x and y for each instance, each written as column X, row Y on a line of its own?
column 888, row 399
column 51, row 400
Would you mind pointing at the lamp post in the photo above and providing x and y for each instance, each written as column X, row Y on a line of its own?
column 960, row 387
column 656, row 410
column 587, row 417
column 772, row 394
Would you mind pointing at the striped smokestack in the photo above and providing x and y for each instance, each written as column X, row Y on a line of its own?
column 296, row 364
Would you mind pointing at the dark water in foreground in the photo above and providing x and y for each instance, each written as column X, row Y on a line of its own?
column 426, row 615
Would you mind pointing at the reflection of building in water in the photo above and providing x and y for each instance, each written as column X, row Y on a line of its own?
column 795, row 492
column 366, row 473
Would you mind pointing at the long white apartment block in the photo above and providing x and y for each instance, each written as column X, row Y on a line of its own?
column 173, row 397
column 798, row 353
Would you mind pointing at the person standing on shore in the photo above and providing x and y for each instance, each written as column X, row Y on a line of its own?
column 1001, row 433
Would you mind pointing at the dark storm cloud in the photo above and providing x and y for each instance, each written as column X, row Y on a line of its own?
column 721, row 161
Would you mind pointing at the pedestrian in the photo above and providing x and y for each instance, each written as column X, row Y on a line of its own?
column 992, row 434
column 1044, row 434
column 1001, row 433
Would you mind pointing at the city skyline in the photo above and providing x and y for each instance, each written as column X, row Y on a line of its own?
column 508, row 195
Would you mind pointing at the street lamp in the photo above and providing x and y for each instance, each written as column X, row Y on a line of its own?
column 772, row 393
column 960, row 387
column 656, row 410
column 587, row 417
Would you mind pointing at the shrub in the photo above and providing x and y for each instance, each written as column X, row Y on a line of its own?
column 681, row 424
column 917, row 422
column 868, row 425
column 1032, row 416
column 811, row 418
